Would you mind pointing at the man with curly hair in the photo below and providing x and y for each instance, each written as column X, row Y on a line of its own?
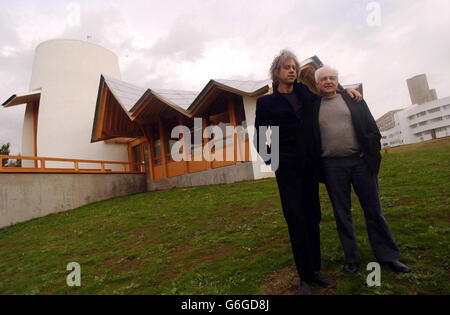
column 290, row 109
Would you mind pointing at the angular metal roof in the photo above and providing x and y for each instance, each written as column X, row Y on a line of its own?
column 136, row 100
column 131, row 97
column 179, row 98
column 248, row 87
column 126, row 94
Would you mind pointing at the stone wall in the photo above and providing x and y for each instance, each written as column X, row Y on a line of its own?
column 24, row 196
column 221, row 175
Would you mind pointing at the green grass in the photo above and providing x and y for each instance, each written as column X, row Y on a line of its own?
column 229, row 239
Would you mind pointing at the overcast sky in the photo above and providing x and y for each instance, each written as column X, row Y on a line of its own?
column 183, row 44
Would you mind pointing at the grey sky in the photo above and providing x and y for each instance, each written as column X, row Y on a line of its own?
column 182, row 44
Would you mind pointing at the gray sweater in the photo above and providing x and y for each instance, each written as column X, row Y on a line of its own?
column 336, row 129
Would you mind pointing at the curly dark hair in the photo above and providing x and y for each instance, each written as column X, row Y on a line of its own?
column 279, row 60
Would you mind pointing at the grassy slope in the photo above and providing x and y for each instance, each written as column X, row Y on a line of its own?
column 229, row 239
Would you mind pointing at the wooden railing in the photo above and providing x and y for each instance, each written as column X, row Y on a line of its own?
column 41, row 167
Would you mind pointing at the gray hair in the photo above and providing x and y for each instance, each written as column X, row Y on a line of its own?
column 279, row 60
column 325, row 68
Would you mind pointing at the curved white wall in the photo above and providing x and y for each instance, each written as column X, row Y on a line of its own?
column 68, row 72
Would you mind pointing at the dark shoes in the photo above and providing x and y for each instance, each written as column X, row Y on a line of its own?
column 397, row 266
column 351, row 267
column 319, row 279
column 323, row 281
column 305, row 288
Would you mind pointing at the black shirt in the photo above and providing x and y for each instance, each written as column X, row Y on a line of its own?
column 293, row 100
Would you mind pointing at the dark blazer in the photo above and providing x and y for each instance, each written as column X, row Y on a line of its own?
column 296, row 137
column 297, row 151
column 366, row 130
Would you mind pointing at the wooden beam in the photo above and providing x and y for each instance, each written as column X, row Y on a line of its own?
column 143, row 107
column 151, row 154
column 109, row 113
column 233, row 123
column 35, row 125
column 205, row 123
column 185, row 153
column 138, row 140
column 101, row 115
column 146, row 130
column 114, row 119
column 130, row 156
column 162, row 143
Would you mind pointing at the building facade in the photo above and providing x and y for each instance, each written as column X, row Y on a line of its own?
column 419, row 122
column 63, row 90
column 79, row 108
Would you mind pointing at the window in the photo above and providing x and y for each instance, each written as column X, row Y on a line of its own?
column 157, row 150
column 421, row 114
column 138, row 156
column 436, row 119
column 434, row 110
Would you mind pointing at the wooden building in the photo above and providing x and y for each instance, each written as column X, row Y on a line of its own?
column 144, row 119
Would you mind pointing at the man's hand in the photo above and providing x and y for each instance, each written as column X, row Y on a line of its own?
column 354, row 94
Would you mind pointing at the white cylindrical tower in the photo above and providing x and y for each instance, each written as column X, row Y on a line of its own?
column 68, row 74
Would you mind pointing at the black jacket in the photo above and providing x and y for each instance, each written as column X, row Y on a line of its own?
column 296, row 134
column 297, row 148
column 366, row 130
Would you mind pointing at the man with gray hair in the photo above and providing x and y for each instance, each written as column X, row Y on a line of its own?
column 348, row 144
column 290, row 109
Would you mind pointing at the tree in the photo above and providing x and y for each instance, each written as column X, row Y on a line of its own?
column 18, row 162
column 4, row 150
column 14, row 163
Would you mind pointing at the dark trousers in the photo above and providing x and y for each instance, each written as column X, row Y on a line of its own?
column 340, row 174
column 297, row 193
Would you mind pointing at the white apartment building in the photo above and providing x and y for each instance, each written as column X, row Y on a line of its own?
column 418, row 122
